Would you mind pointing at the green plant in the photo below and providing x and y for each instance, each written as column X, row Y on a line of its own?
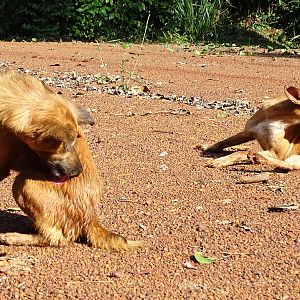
column 36, row 18
column 288, row 16
column 171, row 21
column 199, row 19
column 109, row 19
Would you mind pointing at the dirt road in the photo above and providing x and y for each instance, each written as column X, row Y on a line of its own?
column 158, row 188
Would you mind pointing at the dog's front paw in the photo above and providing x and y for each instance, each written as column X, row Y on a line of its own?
column 7, row 239
column 256, row 158
column 13, row 238
column 202, row 148
column 217, row 163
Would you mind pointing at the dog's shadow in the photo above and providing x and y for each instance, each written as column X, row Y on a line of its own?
column 14, row 222
column 218, row 154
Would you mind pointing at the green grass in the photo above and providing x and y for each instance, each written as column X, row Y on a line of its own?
column 199, row 19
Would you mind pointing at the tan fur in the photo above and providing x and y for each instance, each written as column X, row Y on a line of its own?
column 62, row 212
column 276, row 127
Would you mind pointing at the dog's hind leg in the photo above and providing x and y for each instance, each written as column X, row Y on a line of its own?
column 100, row 237
column 240, row 138
column 20, row 239
column 267, row 158
column 228, row 160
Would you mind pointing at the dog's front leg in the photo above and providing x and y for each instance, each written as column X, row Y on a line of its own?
column 240, row 138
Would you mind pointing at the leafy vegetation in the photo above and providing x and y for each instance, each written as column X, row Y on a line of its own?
column 169, row 20
column 199, row 20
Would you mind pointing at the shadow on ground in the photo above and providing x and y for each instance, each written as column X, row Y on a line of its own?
column 13, row 222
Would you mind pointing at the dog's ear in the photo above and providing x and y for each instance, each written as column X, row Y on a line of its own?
column 83, row 116
column 293, row 94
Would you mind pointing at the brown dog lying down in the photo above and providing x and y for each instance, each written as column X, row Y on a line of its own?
column 64, row 207
column 64, row 212
column 276, row 127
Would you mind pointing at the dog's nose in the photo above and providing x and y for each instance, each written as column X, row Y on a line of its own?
column 75, row 171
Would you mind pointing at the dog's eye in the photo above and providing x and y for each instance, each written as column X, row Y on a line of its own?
column 51, row 142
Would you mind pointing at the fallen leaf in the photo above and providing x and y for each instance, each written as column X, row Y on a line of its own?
column 222, row 115
column 202, row 259
column 122, row 181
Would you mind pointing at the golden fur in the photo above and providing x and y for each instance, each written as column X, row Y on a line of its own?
column 63, row 211
column 276, row 127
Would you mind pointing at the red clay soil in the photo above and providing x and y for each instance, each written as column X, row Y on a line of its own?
column 158, row 188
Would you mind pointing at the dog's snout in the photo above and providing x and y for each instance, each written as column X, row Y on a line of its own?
column 70, row 171
column 75, row 171
column 61, row 170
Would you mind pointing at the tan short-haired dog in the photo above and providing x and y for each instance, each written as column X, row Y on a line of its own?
column 276, row 127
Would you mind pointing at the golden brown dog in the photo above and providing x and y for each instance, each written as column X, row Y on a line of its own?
column 33, row 116
column 276, row 127
column 63, row 209
column 64, row 212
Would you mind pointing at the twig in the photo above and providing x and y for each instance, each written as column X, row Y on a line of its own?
column 102, row 61
column 89, row 281
column 262, row 177
column 235, row 253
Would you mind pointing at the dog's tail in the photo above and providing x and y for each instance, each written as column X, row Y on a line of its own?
column 99, row 237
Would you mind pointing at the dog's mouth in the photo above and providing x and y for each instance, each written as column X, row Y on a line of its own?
column 59, row 176
column 59, row 179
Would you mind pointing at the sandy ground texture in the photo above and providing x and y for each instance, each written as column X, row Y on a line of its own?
column 158, row 188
